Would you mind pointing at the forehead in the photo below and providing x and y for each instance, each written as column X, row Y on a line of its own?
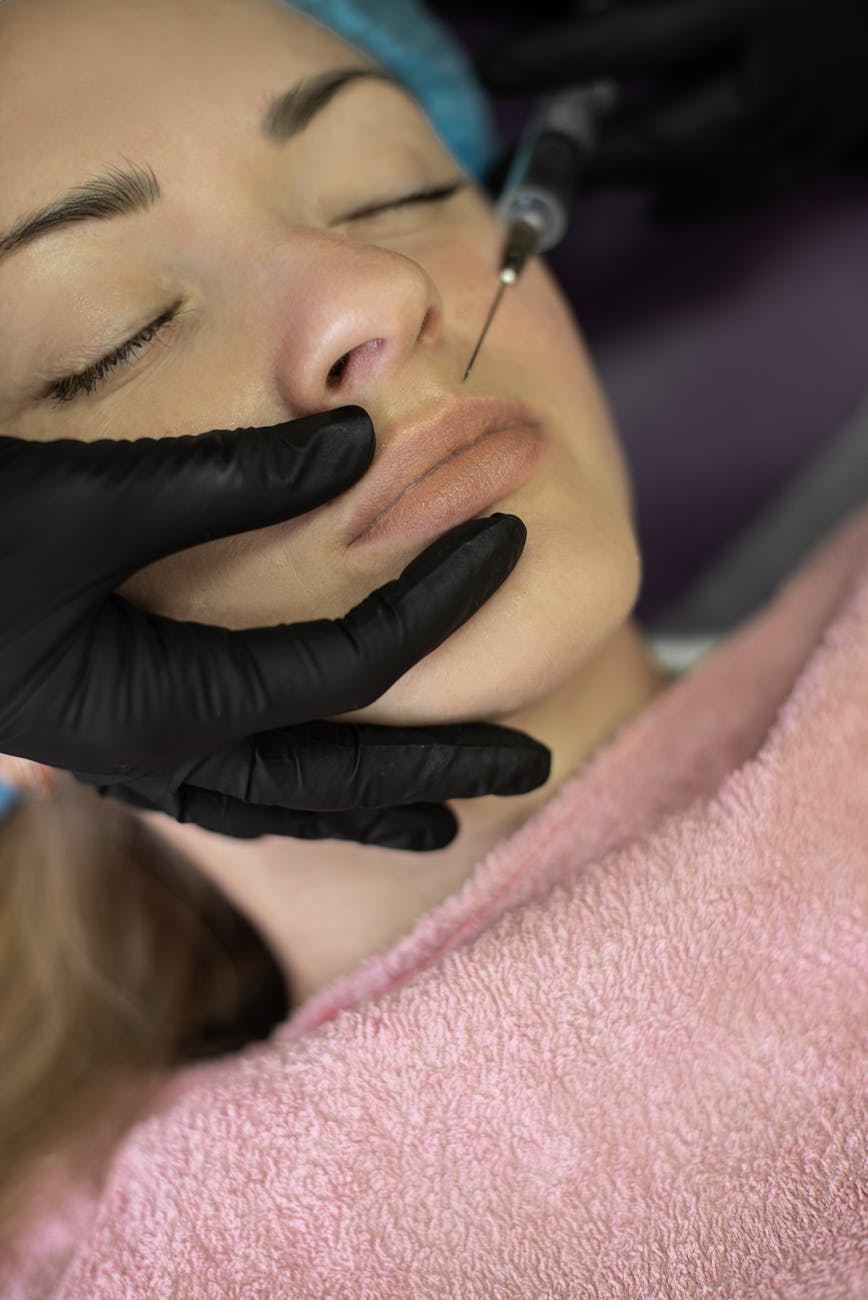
column 109, row 33
column 83, row 82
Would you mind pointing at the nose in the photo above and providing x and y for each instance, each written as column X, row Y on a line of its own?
column 352, row 317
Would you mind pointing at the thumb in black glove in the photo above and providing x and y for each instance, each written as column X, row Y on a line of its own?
column 742, row 99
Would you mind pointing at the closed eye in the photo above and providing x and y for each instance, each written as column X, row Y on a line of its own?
column 433, row 194
column 86, row 381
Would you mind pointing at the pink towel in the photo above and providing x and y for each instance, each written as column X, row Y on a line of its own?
column 627, row 1059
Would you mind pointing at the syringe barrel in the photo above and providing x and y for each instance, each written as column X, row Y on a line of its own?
column 545, row 175
column 546, row 187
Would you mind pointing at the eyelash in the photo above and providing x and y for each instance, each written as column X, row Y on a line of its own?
column 64, row 390
column 434, row 194
column 71, row 386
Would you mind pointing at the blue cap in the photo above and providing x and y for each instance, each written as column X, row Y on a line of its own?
column 10, row 795
column 409, row 41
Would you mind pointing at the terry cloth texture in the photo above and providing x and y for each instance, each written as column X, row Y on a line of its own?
column 627, row 1059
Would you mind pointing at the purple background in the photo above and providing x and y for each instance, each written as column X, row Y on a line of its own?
column 729, row 351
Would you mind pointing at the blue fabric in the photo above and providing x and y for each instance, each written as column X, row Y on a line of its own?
column 9, row 797
column 407, row 40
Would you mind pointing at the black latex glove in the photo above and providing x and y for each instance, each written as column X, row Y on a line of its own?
column 741, row 99
column 215, row 726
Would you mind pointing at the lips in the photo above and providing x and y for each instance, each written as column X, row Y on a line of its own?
column 416, row 455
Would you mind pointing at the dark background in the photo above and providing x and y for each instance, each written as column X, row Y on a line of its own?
column 730, row 351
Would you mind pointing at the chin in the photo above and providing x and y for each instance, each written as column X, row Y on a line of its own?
column 527, row 641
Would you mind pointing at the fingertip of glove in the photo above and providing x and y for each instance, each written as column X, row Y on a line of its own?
column 344, row 423
column 514, row 772
column 500, row 526
column 485, row 541
column 419, row 828
column 498, row 534
column 535, row 768
column 352, row 417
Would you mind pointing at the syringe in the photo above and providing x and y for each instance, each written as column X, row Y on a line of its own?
column 543, row 181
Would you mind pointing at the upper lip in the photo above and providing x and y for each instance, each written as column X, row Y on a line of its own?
column 411, row 454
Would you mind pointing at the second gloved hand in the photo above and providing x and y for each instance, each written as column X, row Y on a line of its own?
column 741, row 99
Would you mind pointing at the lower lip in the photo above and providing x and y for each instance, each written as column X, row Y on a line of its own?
column 472, row 479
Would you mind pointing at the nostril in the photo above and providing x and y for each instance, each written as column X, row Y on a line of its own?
column 363, row 358
column 427, row 322
column 333, row 378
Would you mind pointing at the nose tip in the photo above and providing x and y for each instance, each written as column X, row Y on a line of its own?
column 355, row 366
column 362, row 314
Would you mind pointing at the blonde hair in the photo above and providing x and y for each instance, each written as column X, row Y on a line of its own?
column 119, row 960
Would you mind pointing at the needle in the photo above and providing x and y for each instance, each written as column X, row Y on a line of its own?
column 522, row 239
column 507, row 277
column 543, row 180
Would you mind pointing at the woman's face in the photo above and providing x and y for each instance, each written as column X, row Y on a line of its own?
column 255, row 294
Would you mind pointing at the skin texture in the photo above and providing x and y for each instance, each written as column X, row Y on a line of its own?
column 275, row 288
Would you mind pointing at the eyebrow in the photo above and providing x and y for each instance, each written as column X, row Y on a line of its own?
column 115, row 194
column 122, row 191
column 290, row 112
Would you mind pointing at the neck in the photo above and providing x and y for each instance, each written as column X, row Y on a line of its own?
column 325, row 906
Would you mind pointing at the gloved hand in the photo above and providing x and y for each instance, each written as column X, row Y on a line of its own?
column 216, row 726
column 743, row 99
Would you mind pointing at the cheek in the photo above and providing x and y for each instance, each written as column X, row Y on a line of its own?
column 533, row 350
column 578, row 577
column 253, row 580
column 545, row 333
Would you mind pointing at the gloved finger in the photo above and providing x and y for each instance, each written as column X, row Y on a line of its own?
column 619, row 42
column 707, row 125
column 420, row 827
column 328, row 766
column 171, row 689
column 330, row 667
column 160, row 495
